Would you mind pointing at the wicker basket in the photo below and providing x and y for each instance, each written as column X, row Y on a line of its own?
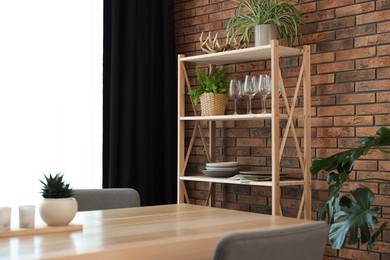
column 212, row 104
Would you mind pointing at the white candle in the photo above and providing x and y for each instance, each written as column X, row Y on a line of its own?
column 5, row 218
column 26, row 216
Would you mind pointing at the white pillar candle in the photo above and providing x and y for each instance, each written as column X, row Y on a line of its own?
column 26, row 216
column 5, row 218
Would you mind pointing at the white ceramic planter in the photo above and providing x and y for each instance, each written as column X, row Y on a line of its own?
column 58, row 212
column 264, row 33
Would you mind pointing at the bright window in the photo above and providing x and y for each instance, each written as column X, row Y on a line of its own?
column 50, row 95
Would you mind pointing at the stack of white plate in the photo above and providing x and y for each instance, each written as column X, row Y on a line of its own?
column 221, row 169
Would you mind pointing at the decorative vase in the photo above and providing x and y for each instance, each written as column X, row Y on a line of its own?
column 212, row 104
column 264, row 33
column 58, row 212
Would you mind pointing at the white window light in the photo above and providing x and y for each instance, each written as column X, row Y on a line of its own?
column 50, row 95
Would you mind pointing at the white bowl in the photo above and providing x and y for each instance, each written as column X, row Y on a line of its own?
column 219, row 174
column 222, row 164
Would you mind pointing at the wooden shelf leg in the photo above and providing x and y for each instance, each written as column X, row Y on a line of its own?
column 275, row 132
column 307, row 131
column 180, row 129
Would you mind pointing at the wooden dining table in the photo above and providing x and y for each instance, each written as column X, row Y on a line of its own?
column 177, row 231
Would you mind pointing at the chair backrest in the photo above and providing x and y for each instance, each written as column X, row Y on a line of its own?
column 98, row 199
column 305, row 242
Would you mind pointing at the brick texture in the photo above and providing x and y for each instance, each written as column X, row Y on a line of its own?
column 350, row 45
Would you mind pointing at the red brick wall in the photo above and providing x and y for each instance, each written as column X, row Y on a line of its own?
column 350, row 99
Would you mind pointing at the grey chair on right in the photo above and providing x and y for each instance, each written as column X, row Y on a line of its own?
column 100, row 199
column 306, row 242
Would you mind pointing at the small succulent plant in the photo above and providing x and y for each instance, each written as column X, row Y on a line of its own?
column 55, row 187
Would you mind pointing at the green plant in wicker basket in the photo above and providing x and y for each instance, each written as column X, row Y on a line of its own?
column 217, row 82
column 354, row 215
column 282, row 13
column 55, row 187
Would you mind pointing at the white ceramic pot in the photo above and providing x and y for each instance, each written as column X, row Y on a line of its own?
column 58, row 212
column 264, row 33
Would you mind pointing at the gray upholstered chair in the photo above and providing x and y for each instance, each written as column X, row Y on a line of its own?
column 306, row 242
column 98, row 199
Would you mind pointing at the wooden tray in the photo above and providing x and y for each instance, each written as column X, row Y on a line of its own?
column 39, row 230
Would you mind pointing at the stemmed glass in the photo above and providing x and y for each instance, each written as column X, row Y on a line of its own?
column 235, row 92
column 250, row 89
column 265, row 85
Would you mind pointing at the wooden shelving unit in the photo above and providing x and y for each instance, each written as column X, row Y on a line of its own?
column 272, row 52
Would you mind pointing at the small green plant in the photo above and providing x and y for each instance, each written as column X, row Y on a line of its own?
column 349, row 214
column 55, row 187
column 283, row 14
column 217, row 82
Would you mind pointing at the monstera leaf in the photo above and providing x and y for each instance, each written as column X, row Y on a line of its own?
column 343, row 161
column 361, row 215
column 329, row 164
column 381, row 139
column 335, row 182
column 339, row 166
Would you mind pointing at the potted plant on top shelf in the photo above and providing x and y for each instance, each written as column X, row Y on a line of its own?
column 349, row 214
column 269, row 19
column 212, row 91
column 58, row 207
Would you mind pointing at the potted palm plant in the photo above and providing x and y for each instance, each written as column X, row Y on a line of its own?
column 269, row 19
column 349, row 214
column 58, row 207
column 212, row 91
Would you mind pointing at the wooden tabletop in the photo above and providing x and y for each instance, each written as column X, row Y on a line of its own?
column 178, row 231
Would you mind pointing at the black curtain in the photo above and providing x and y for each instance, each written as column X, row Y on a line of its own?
column 139, row 99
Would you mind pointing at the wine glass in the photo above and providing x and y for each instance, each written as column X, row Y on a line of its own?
column 265, row 85
column 235, row 92
column 250, row 90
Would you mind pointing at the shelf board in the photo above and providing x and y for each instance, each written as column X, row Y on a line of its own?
column 232, row 117
column 227, row 181
column 242, row 55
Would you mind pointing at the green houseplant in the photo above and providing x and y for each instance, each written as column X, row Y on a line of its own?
column 55, row 187
column 58, row 207
column 212, row 91
column 272, row 16
column 351, row 214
